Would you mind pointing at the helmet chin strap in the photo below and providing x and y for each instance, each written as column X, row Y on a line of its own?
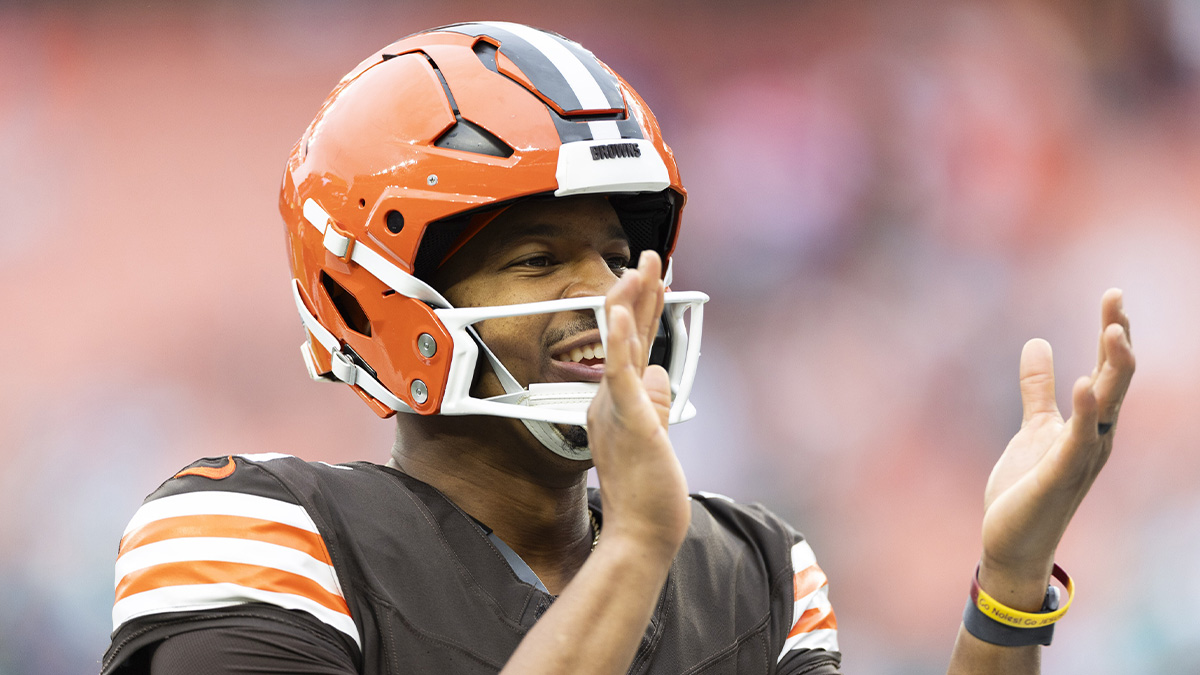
column 547, row 434
column 553, row 439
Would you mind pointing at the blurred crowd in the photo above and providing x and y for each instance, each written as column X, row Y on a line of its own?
column 886, row 199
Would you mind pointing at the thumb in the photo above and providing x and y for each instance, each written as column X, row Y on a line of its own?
column 1037, row 380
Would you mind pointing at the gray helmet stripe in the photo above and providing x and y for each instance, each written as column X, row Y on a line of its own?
column 630, row 128
column 564, row 72
column 569, row 131
column 548, row 79
column 561, row 70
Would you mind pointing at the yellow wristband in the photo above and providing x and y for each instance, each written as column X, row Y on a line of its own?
column 1008, row 616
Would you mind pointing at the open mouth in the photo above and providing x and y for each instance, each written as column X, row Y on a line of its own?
column 587, row 355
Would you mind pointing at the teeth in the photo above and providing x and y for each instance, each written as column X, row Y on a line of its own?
column 592, row 351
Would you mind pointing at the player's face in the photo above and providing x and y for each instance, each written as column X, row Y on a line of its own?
column 534, row 251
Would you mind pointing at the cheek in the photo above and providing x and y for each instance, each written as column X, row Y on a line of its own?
column 517, row 342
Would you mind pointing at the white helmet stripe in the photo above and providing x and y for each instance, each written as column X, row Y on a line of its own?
column 587, row 90
column 542, row 56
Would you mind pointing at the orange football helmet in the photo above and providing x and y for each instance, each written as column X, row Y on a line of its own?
column 414, row 151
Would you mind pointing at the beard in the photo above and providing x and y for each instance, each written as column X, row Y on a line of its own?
column 579, row 325
column 574, row 435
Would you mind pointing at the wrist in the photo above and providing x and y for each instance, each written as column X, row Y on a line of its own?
column 1021, row 587
column 992, row 621
column 655, row 538
column 631, row 560
column 646, row 545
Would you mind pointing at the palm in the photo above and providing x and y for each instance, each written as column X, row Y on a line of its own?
column 1017, row 486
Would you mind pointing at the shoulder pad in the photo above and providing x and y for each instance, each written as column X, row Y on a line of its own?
column 222, row 532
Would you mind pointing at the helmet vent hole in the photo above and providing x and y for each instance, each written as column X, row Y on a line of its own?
column 362, row 203
column 351, row 312
column 395, row 221
column 486, row 52
column 470, row 137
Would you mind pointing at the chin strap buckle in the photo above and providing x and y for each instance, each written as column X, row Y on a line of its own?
column 338, row 242
column 343, row 367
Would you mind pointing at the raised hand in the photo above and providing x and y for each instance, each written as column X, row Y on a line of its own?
column 1050, row 464
column 598, row 621
column 641, row 482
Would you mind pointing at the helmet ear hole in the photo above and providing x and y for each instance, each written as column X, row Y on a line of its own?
column 347, row 306
column 648, row 220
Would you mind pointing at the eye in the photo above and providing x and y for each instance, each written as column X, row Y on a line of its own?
column 618, row 263
column 537, row 260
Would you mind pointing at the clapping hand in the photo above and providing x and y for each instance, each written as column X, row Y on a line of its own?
column 1050, row 463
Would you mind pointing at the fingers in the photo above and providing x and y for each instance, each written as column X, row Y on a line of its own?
column 640, row 290
column 1112, row 381
column 649, row 309
column 622, row 369
column 1085, row 411
column 1114, row 361
column 1037, row 380
column 1086, row 456
column 1112, row 311
column 640, row 396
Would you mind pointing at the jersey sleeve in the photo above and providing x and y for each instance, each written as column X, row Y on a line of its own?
column 814, row 624
column 223, row 533
column 247, row 639
column 803, row 623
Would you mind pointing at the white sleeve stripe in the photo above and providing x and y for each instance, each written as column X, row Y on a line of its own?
column 263, row 456
column 818, row 599
column 221, row 504
column 221, row 549
column 212, row 596
column 825, row 638
column 333, row 466
column 802, row 557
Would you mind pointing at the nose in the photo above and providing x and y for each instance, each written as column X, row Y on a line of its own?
column 590, row 275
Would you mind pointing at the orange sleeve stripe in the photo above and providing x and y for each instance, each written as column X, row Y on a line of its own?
column 236, row 527
column 808, row 580
column 816, row 618
column 213, row 572
column 212, row 472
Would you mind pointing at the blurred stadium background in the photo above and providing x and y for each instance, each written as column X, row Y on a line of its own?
column 886, row 199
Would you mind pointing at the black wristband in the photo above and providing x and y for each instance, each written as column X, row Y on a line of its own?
column 989, row 630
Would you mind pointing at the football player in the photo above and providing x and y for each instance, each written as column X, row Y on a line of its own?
column 480, row 223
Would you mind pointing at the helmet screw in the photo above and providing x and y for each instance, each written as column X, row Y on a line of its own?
column 419, row 392
column 432, row 179
column 426, row 345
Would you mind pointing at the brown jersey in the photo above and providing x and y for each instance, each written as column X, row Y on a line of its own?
column 373, row 571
